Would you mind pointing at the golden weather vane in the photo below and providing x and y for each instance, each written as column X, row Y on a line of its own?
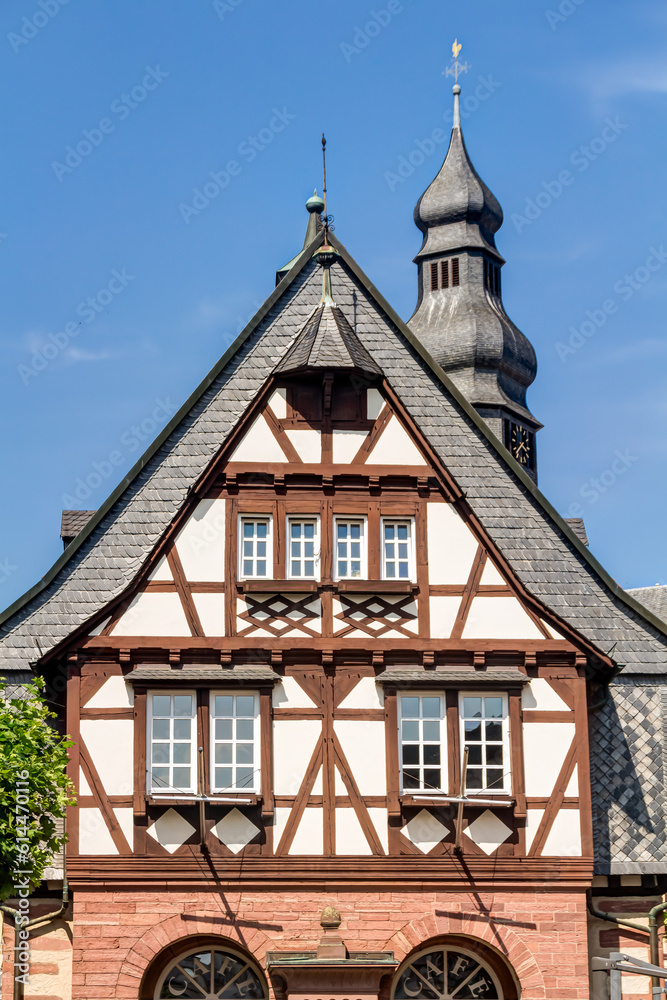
column 457, row 68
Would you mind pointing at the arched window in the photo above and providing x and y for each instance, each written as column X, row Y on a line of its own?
column 208, row 972
column 454, row 970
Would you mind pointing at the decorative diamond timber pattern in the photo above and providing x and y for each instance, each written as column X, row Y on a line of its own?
column 280, row 614
column 235, row 830
column 376, row 615
column 488, row 832
column 171, row 830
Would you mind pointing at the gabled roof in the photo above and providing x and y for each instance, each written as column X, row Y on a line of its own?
column 545, row 555
column 653, row 598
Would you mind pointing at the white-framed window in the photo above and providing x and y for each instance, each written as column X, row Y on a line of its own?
column 350, row 554
column 422, row 741
column 398, row 548
column 171, row 732
column 303, row 548
column 235, row 761
column 484, row 725
column 255, row 547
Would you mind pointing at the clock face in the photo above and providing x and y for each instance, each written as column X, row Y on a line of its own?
column 521, row 444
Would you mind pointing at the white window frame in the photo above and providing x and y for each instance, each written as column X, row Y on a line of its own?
column 170, row 789
column 254, row 518
column 256, row 741
column 412, row 569
column 506, row 787
column 302, row 519
column 444, row 771
column 348, row 519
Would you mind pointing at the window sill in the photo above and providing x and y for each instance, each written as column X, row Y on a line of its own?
column 215, row 798
column 376, row 586
column 277, row 586
column 424, row 799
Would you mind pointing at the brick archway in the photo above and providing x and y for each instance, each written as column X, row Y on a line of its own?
column 417, row 934
column 175, row 933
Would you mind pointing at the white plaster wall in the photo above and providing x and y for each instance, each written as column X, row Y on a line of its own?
column 288, row 693
column 308, row 444
column 539, row 696
column 572, row 790
column 499, row 618
column 153, row 614
column 564, row 840
column 258, row 445
column 491, row 577
column 161, row 571
column 533, row 820
column 443, row 615
column 201, row 543
column 84, row 787
column 350, row 838
column 211, row 611
column 125, row 818
column 374, row 403
column 545, row 747
column 395, row 447
column 293, row 744
column 363, row 744
column 309, row 838
column 367, row 693
column 451, row 545
column 114, row 693
column 94, row 836
column 346, row 444
column 110, row 743
column 278, row 403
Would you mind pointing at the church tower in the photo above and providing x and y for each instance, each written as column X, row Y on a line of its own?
column 460, row 317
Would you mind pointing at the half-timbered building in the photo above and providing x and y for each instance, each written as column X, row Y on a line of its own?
column 335, row 669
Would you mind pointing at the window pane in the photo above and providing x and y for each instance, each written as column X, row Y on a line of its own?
column 161, row 704
column 223, row 777
column 494, row 754
column 410, row 779
column 474, row 779
column 181, row 777
column 403, row 532
column 248, row 529
column 261, row 567
column 403, row 571
column 181, row 753
column 244, row 777
column 494, row 778
column 341, row 530
column 160, row 777
column 161, row 729
column 244, row 753
column 224, row 704
column 160, row 753
column 296, row 530
column 355, row 531
column 472, row 708
column 182, row 729
column 183, row 704
column 309, row 530
column 475, row 753
column 431, row 708
column 223, row 729
column 245, row 705
column 411, row 753
column 245, row 729
column 223, row 753
column 432, row 753
column 247, row 568
column 309, row 568
column 431, row 778
column 494, row 731
column 473, row 730
column 493, row 708
column 410, row 708
column 261, row 529
column 431, row 730
column 296, row 568
column 411, row 730
column 342, row 569
column 247, row 550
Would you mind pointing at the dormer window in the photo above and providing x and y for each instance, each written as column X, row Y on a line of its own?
column 445, row 274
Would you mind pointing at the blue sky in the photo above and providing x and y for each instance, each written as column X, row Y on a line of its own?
column 116, row 300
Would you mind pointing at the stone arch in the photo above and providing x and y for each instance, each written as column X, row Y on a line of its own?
column 502, row 941
column 174, row 934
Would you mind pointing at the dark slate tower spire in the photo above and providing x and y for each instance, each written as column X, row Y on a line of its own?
column 460, row 317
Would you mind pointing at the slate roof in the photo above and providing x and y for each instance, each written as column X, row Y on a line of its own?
column 545, row 554
column 328, row 341
column 578, row 527
column 653, row 598
column 72, row 522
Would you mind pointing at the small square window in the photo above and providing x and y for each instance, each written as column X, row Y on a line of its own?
column 350, row 558
column 235, row 764
column 255, row 548
column 303, row 548
column 397, row 550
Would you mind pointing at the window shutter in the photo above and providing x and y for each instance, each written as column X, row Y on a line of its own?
column 444, row 274
column 455, row 271
column 434, row 277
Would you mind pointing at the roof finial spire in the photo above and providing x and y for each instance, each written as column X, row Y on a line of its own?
column 455, row 70
column 326, row 255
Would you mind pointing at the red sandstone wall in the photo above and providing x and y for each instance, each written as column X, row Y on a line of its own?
column 116, row 935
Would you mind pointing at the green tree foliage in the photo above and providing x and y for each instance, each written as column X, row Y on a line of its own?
column 34, row 788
